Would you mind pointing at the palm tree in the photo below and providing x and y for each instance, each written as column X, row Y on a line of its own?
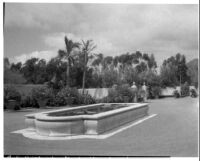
column 67, row 55
column 88, row 47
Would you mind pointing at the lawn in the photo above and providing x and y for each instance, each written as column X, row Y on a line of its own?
column 173, row 132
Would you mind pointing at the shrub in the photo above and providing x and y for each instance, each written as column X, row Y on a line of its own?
column 112, row 95
column 69, row 96
column 176, row 94
column 120, row 94
column 10, row 93
column 12, row 98
column 52, row 98
column 41, row 93
column 26, row 101
column 86, row 99
column 193, row 93
column 154, row 92
column 66, row 96
column 185, row 89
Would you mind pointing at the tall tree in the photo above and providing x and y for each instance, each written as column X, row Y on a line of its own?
column 152, row 63
column 174, row 70
column 12, row 76
column 88, row 47
column 110, row 77
column 29, row 70
column 141, row 67
column 16, row 67
column 193, row 71
column 182, row 68
column 68, row 56
column 168, row 76
column 98, row 60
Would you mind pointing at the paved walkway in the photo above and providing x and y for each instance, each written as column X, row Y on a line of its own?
column 173, row 132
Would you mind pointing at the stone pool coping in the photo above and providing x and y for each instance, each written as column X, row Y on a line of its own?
column 94, row 124
column 43, row 116
column 33, row 135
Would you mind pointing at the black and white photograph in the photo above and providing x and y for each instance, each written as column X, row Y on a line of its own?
column 100, row 79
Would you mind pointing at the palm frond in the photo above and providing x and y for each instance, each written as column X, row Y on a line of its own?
column 88, row 46
column 84, row 43
column 71, row 60
column 92, row 48
column 66, row 41
column 61, row 54
column 76, row 45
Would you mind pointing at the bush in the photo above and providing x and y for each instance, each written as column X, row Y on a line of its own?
column 26, row 101
column 12, row 98
column 69, row 96
column 193, row 93
column 120, row 94
column 86, row 99
column 10, row 93
column 52, row 101
column 41, row 93
column 185, row 90
column 154, row 92
column 66, row 96
column 61, row 97
column 176, row 94
column 112, row 96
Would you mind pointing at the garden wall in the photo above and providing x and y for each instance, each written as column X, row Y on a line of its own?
column 97, row 93
column 103, row 92
column 168, row 91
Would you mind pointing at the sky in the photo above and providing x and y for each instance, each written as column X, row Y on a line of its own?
column 38, row 30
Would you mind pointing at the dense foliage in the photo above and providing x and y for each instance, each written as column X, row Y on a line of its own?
column 174, row 71
column 104, row 71
column 176, row 94
column 10, row 93
column 69, row 96
column 185, row 89
column 121, row 93
column 193, row 72
column 41, row 93
column 72, row 69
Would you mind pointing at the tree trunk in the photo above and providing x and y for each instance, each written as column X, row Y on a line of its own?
column 83, row 86
column 84, row 72
column 68, row 79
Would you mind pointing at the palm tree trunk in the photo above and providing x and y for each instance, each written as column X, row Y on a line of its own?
column 83, row 85
column 68, row 79
column 84, row 72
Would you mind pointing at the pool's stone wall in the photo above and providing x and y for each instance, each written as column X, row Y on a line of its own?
column 46, row 125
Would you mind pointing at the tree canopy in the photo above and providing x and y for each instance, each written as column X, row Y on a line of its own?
column 102, row 71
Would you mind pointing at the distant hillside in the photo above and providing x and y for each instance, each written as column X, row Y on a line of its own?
column 193, row 71
column 193, row 62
